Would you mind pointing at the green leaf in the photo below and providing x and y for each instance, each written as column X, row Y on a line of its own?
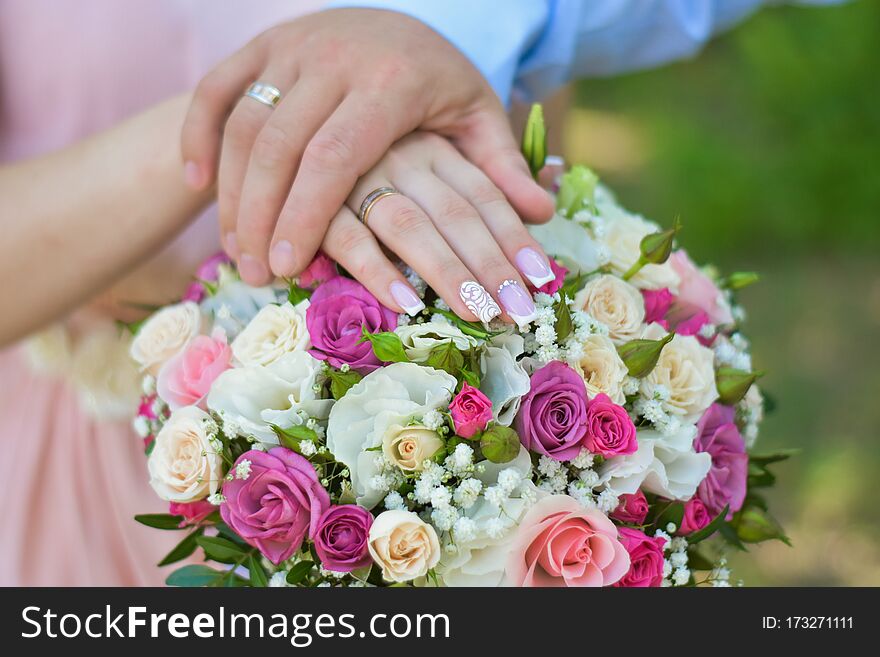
column 299, row 572
column 775, row 457
column 576, row 191
column 386, row 345
column 733, row 384
column 220, row 549
column 711, row 528
column 471, row 378
column 564, row 324
column 257, row 574
column 641, row 356
column 472, row 329
column 673, row 512
column 160, row 520
column 657, row 247
column 754, row 525
column 759, row 476
column 194, row 575
column 446, row 356
column 342, row 382
column 740, row 279
column 534, row 140
column 728, row 532
column 291, row 436
column 698, row 561
column 183, row 549
column 499, row 444
column 296, row 294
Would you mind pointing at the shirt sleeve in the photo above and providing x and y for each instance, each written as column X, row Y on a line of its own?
column 528, row 48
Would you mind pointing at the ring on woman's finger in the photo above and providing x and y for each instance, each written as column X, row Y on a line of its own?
column 371, row 199
column 264, row 93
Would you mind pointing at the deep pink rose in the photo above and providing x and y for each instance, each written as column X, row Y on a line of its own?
column 338, row 310
column 145, row 408
column 553, row 415
column 320, row 270
column 697, row 292
column 632, row 509
column 559, row 542
column 341, row 539
column 645, row 556
column 186, row 378
column 208, row 271
column 552, row 287
column 695, row 517
column 278, row 504
column 726, row 482
column 610, row 429
column 471, row 411
column 657, row 303
column 192, row 512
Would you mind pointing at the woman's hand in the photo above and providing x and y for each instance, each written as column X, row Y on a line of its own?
column 353, row 81
column 450, row 223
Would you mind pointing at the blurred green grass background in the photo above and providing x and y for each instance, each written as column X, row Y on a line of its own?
column 768, row 147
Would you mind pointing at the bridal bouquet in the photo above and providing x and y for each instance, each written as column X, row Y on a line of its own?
column 306, row 435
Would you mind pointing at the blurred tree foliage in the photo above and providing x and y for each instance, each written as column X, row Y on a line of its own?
column 768, row 142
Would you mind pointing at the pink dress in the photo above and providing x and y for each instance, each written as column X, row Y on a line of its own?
column 72, row 471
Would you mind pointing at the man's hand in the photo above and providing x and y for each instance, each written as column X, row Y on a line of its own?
column 353, row 82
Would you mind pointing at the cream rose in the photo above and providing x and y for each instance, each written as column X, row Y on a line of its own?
column 419, row 339
column 165, row 334
column 615, row 303
column 408, row 447
column 183, row 466
column 686, row 371
column 403, row 545
column 602, row 368
column 621, row 235
column 274, row 331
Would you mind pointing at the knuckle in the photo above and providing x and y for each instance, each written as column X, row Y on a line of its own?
column 351, row 241
column 405, row 219
column 240, row 129
column 329, row 152
column 487, row 194
column 273, row 146
column 455, row 210
column 495, row 265
column 449, row 269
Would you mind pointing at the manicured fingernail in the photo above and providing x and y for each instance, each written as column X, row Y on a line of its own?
column 517, row 303
column 406, row 298
column 253, row 272
column 281, row 258
column 478, row 301
column 192, row 175
column 230, row 243
column 534, row 266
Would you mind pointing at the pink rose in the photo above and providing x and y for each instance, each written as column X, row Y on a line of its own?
column 561, row 543
column 553, row 414
column 657, row 304
column 610, row 429
column 471, row 411
column 342, row 537
column 186, row 378
column 662, row 307
column 697, row 292
column 632, row 509
column 320, row 270
column 646, row 559
column 552, row 287
column 695, row 517
column 192, row 512
column 208, row 271
column 338, row 310
column 145, row 408
column 726, row 482
column 278, row 505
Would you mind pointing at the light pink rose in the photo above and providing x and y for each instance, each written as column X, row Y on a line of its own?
column 696, row 516
column 187, row 377
column 192, row 512
column 321, row 269
column 561, row 543
column 697, row 292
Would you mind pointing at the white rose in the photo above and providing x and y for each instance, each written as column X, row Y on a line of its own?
column 419, row 339
column 184, row 466
column 236, row 303
column 569, row 242
column 504, row 380
column 686, row 370
column 615, row 303
column 249, row 399
column 663, row 465
column 403, row 545
column 165, row 334
column 602, row 368
column 274, row 331
column 621, row 234
column 387, row 396
column 408, row 447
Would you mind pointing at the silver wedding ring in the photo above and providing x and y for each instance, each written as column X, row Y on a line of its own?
column 264, row 93
column 371, row 199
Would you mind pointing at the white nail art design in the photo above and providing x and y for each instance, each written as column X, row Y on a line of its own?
column 478, row 301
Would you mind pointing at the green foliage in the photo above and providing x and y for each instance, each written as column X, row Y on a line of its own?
column 386, row 345
column 160, row 520
column 499, row 444
column 534, row 140
column 641, row 356
column 195, row 575
column 183, row 549
column 341, row 382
